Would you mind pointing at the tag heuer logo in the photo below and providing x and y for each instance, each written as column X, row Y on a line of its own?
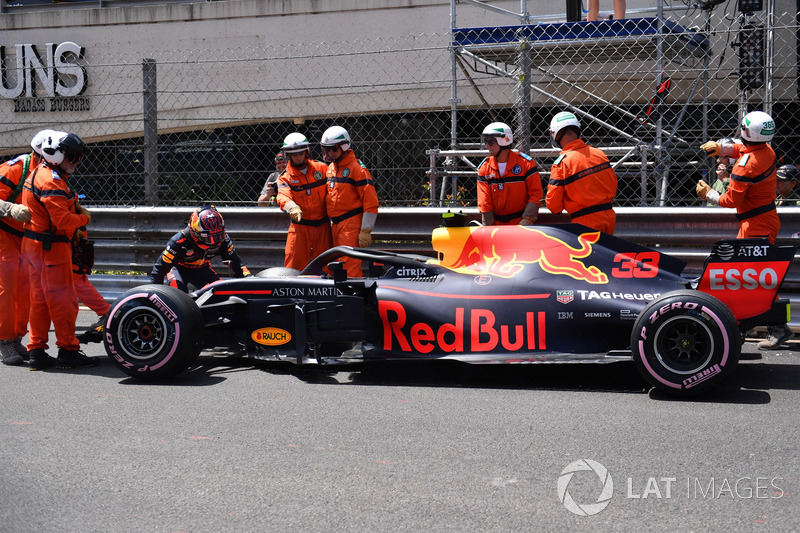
column 565, row 297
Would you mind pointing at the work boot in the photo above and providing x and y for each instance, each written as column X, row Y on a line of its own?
column 776, row 335
column 9, row 354
column 22, row 350
column 94, row 333
column 73, row 359
column 39, row 360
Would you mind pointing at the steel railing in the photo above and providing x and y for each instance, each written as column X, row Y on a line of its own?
column 129, row 240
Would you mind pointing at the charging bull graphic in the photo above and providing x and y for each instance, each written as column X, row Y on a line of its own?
column 505, row 250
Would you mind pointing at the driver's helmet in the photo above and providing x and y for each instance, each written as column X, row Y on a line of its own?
column 207, row 226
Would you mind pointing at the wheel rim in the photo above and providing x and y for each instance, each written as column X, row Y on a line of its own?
column 143, row 333
column 684, row 344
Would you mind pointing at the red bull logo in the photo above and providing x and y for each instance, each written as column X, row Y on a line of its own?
column 505, row 250
column 470, row 330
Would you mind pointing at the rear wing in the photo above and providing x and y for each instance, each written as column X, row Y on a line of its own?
column 745, row 274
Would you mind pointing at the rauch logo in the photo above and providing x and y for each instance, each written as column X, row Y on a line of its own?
column 271, row 336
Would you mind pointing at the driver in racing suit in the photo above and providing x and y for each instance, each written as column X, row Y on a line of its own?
column 188, row 254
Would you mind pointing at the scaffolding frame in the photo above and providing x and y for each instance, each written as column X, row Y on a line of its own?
column 654, row 157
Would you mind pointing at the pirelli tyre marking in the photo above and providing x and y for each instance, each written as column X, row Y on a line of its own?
column 685, row 342
column 154, row 331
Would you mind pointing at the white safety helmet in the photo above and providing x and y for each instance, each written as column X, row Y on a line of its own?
column 40, row 138
column 60, row 146
column 336, row 135
column 294, row 142
column 758, row 127
column 499, row 131
column 562, row 120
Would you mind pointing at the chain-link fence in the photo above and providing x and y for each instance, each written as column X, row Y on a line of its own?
column 652, row 89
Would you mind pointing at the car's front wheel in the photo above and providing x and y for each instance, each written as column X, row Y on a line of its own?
column 685, row 342
column 153, row 332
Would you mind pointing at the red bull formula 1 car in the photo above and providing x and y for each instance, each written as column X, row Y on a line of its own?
column 493, row 294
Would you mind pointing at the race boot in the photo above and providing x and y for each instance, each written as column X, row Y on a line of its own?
column 9, row 354
column 68, row 359
column 94, row 333
column 776, row 335
column 21, row 349
column 39, row 360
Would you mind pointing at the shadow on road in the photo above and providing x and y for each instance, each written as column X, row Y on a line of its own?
column 612, row 377
column 748, row 385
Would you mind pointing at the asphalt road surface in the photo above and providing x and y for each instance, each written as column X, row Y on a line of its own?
column 238, row 445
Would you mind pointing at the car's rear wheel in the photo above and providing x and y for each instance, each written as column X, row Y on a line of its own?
column 154, row 332
column 685, row 342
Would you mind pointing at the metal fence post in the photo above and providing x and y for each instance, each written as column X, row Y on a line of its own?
column 523, row 105
column 150, row 112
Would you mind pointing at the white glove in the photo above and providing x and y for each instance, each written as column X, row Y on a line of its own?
column 20, row 212
column 295, row 213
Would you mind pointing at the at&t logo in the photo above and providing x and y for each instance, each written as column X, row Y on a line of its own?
column 594, row 468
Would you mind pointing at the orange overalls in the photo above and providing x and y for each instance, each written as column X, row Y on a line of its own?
column 86, row 292
column 752, row 191
column 351, row 192
column 14, row 289
column 312, row 235
column 54, row 220
column 583, row 182
column 508, row 194
column 88, row 295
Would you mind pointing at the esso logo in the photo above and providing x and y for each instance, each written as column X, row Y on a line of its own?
column 733, row 279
